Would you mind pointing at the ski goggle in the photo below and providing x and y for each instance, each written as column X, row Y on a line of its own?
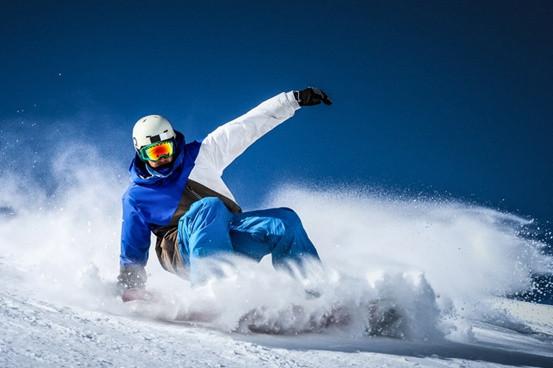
column 157, row 151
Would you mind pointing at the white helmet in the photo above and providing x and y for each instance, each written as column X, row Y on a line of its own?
column 151, row 129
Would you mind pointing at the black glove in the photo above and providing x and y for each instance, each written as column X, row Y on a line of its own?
column 131, row 277
column 311, row 96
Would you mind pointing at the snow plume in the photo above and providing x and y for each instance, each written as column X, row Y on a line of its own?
column 416, row 269
column 55, row 234
column 467, row 254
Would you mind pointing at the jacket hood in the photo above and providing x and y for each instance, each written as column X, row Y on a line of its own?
column 139, row 173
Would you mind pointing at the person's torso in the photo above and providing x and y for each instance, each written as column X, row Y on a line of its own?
column 162, row 201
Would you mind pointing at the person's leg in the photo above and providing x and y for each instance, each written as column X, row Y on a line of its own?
column 275, row 231
column 203, row 231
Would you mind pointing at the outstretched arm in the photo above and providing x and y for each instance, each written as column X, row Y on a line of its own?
column 230, row 140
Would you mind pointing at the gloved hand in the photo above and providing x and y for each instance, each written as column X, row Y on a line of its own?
column 311, row 96
column 131, row 277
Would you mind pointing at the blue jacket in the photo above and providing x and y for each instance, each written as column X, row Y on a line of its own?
column 150, row 201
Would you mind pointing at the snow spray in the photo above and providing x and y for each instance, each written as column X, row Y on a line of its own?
column 437, row 264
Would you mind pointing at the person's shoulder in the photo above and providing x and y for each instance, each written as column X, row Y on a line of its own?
column 192, row 144
column 129, row 196
column 192, row 148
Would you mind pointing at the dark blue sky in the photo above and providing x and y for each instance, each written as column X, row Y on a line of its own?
column 446, row 97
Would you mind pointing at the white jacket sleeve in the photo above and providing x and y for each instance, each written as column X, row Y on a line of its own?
column 230, row 140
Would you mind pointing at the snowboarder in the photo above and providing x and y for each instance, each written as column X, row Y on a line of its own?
column 178, row 194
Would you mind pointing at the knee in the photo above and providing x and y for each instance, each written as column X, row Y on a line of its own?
column 289, row 217
column 211, row 203
column 207, row 204
column 205, row 207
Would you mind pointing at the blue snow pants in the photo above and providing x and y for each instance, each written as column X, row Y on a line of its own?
column 209, row 229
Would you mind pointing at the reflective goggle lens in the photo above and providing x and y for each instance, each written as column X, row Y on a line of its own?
column 157, row 151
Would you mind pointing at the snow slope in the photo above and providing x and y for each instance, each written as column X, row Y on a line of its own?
column 39, row 333
column 442, row 267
